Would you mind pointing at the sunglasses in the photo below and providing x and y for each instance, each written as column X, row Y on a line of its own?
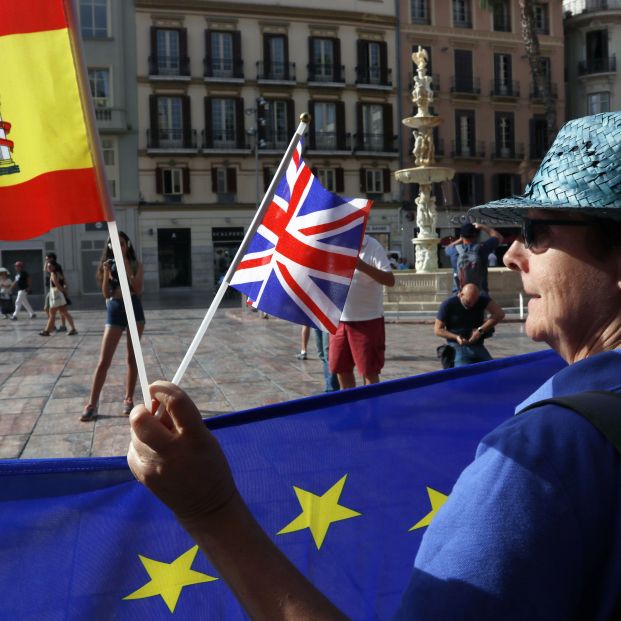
column 536, row 233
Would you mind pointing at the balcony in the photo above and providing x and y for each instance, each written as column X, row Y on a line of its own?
column 223, row 141
column 169, row 68
column 537, row 95
column 375, row 143
column 508, row 151
column 475, row 150
column 597, row 65
column 500, row 89
column 172, row 140
column 329, row 142
column 373, row 77
column 326, row 74
column 110, row 119
column 276, row 72
column 576, row 7
column 223, row 70
column 275, row 141
column 467, row 87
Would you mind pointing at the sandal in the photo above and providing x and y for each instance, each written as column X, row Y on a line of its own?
column 128, row 406
column 89, row 413
column 44, row 333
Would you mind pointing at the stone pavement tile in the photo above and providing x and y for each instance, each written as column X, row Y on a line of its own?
column 58, row 445
column 24, row 390
column 11, row 446
column 58, row 423
column 26, row 404
column 111, row 441
column 71, row 406
column 15, row 424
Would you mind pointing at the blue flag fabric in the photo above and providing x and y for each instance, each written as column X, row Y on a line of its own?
column 82, row 540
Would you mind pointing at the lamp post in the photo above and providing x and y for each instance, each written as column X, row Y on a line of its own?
column 261, row 107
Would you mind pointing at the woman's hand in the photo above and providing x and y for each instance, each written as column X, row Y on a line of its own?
column 177, row 458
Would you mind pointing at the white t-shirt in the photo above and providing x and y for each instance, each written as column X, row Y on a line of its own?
column 365, row 299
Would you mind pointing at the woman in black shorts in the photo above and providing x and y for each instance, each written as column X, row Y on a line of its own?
column 116, row 322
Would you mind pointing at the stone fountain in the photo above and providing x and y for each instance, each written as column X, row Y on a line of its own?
column 425, row 172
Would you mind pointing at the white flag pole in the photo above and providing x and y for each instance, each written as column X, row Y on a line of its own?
column 129, row 311
column 254, row 225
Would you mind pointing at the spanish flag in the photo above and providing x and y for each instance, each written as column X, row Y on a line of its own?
column 50, row 170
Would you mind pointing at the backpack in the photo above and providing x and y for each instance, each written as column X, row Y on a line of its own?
column 468, row 267
column 602, row 408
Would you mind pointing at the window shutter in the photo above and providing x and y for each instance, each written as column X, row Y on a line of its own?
column 516, row 185
column 336, row 50
column 340, row 180
column 186, row 179
column 231, row 180
column 290, row 116
column 267, row 177
column 187, row 131
column 208, row 58
column 183, row 51
column 208, row 124
column 214, row 179
column 311, row 138
column 153, row 60
column 240, row 137
column 267, row 58
column 340, row 126
column 314, row 170
column 154, row 122
column 386, row 175
column 383, row 47
column 388, row 135
column 362, row 69
column 363, row 179
column 479, row 189
column 312, row 69
column 237, row 55
column 360, row 128
column 159, row 181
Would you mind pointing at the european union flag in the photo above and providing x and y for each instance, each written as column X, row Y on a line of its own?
column 345, row 484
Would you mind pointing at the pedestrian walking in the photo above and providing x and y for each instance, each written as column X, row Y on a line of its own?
column 22, row 284
column 57, row 301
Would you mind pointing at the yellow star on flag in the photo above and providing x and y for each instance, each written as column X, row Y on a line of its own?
column 318, row 512
column 437, row 499
column 168, row 579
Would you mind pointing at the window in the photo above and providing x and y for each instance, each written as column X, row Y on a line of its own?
column 502, row 16
column 172, row 181
column 462, row 15
column 323, row 67
column 542, row 22
column 277, row 130
column 464, row 133
column 170, row 121
column 94, row 19
column 331, row 178
column 222, row 54
column 598, row 102
column 372, row 63
column 109, row 153
column 420, row 11
column 275, row 57
column 468, row 189
column 374, row 181
column 99, row 81
column 325, row 125
column 505, row 135
column 506, row 185
column 168, row 56
column 538, row 137
column 373, row 127
column 224, row 182
column 464, row 79
column 224, row 123
column 503, row 84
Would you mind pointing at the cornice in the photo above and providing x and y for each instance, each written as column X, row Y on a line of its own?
column 213, row 7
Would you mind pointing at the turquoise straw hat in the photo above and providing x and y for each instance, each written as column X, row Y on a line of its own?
column 581, row 171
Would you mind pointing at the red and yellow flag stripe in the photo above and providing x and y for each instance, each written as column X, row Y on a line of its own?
column 51, row 178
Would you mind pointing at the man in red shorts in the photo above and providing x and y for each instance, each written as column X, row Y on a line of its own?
column 360, row 339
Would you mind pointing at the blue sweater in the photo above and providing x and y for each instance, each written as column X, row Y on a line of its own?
column 532, row 528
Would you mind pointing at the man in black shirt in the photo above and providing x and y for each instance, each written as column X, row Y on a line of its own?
column 461, row 321
column 22, row 284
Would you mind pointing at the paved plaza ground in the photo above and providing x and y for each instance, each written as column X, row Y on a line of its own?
column 244, row 362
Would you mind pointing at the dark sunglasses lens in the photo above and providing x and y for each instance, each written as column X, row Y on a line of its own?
column 527, row 233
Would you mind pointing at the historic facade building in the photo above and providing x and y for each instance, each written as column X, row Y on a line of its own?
column 221, row 86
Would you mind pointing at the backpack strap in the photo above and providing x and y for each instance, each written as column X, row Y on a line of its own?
column 602, row 408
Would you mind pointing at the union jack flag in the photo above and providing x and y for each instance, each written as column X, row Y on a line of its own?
column 301, row 260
